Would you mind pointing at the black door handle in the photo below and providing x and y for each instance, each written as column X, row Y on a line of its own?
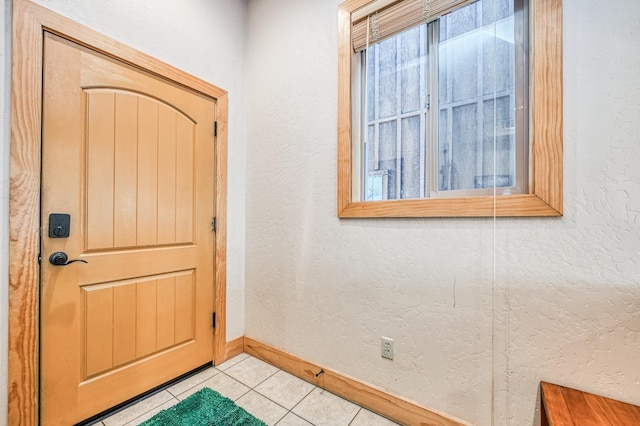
column 60, row 258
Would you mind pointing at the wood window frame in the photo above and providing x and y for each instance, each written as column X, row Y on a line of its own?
column 30, row 21
column 545, row 194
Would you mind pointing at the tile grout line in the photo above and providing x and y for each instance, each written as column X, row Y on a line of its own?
column 278, row 404
column 234, row 364
column 300, row 402
column 134, row 421
column 253, row 389
column 354, row 417
column 122, row 423
column 295, row 415
column 288, row 411
column 229, row 377
column 172, row 399
column 197, row 384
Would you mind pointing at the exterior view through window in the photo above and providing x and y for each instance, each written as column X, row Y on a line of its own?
column 445, row 106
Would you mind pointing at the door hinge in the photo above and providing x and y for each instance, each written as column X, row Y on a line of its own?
column 215, row 128
column 214, row 224
column 213, row 320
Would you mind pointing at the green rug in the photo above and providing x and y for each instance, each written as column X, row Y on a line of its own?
column 204, row 408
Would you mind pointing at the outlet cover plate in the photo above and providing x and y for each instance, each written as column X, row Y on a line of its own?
column 386, row 347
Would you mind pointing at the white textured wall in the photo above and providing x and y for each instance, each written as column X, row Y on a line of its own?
column 567, row 290
column 5, row 75
column 203, row 37
column 573, row 284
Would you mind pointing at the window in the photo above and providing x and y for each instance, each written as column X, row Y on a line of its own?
column 435, row 117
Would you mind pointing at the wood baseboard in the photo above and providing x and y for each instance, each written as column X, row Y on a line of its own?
column 367, row 396
column 233, row 348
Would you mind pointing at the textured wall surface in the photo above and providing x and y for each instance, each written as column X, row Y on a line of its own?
column 573, row 284
column 560, row 296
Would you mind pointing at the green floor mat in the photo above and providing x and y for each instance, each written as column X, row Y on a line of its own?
column 204, row 408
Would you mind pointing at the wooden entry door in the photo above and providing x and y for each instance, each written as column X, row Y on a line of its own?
column 129, row 157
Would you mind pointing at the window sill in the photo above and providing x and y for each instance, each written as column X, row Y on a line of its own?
column 504, row 205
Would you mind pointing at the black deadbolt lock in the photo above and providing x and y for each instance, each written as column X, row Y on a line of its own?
column 59, row 225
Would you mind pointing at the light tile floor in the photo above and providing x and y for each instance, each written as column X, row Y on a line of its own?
column 270, row 394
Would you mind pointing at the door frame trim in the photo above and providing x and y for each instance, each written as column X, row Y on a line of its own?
column 30, row 21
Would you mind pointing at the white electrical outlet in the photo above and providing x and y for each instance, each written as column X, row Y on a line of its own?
column 386, row 347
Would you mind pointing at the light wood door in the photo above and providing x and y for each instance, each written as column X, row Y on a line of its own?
column 129, row 156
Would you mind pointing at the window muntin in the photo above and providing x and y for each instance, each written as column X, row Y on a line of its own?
column 431, row 95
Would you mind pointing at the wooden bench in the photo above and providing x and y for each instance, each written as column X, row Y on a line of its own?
column 562, row 406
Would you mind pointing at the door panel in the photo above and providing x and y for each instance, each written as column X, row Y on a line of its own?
column 167, row 199
column 130, row 157
column 152, row 304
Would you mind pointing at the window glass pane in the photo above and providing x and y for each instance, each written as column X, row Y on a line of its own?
column 371, row 157
column 371, row 57
column 504, row 133
column 497, row 53
column 375, row 183
column 477, row 64
column 388, row 151
column 412, row 184
column 459, row 60
column 387, row 78
column 464, row 146
column 493, row 10
column 460, row 21
column 412, row 75
column 444, row 154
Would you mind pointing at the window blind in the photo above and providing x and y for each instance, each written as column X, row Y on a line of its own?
column 384, row 18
